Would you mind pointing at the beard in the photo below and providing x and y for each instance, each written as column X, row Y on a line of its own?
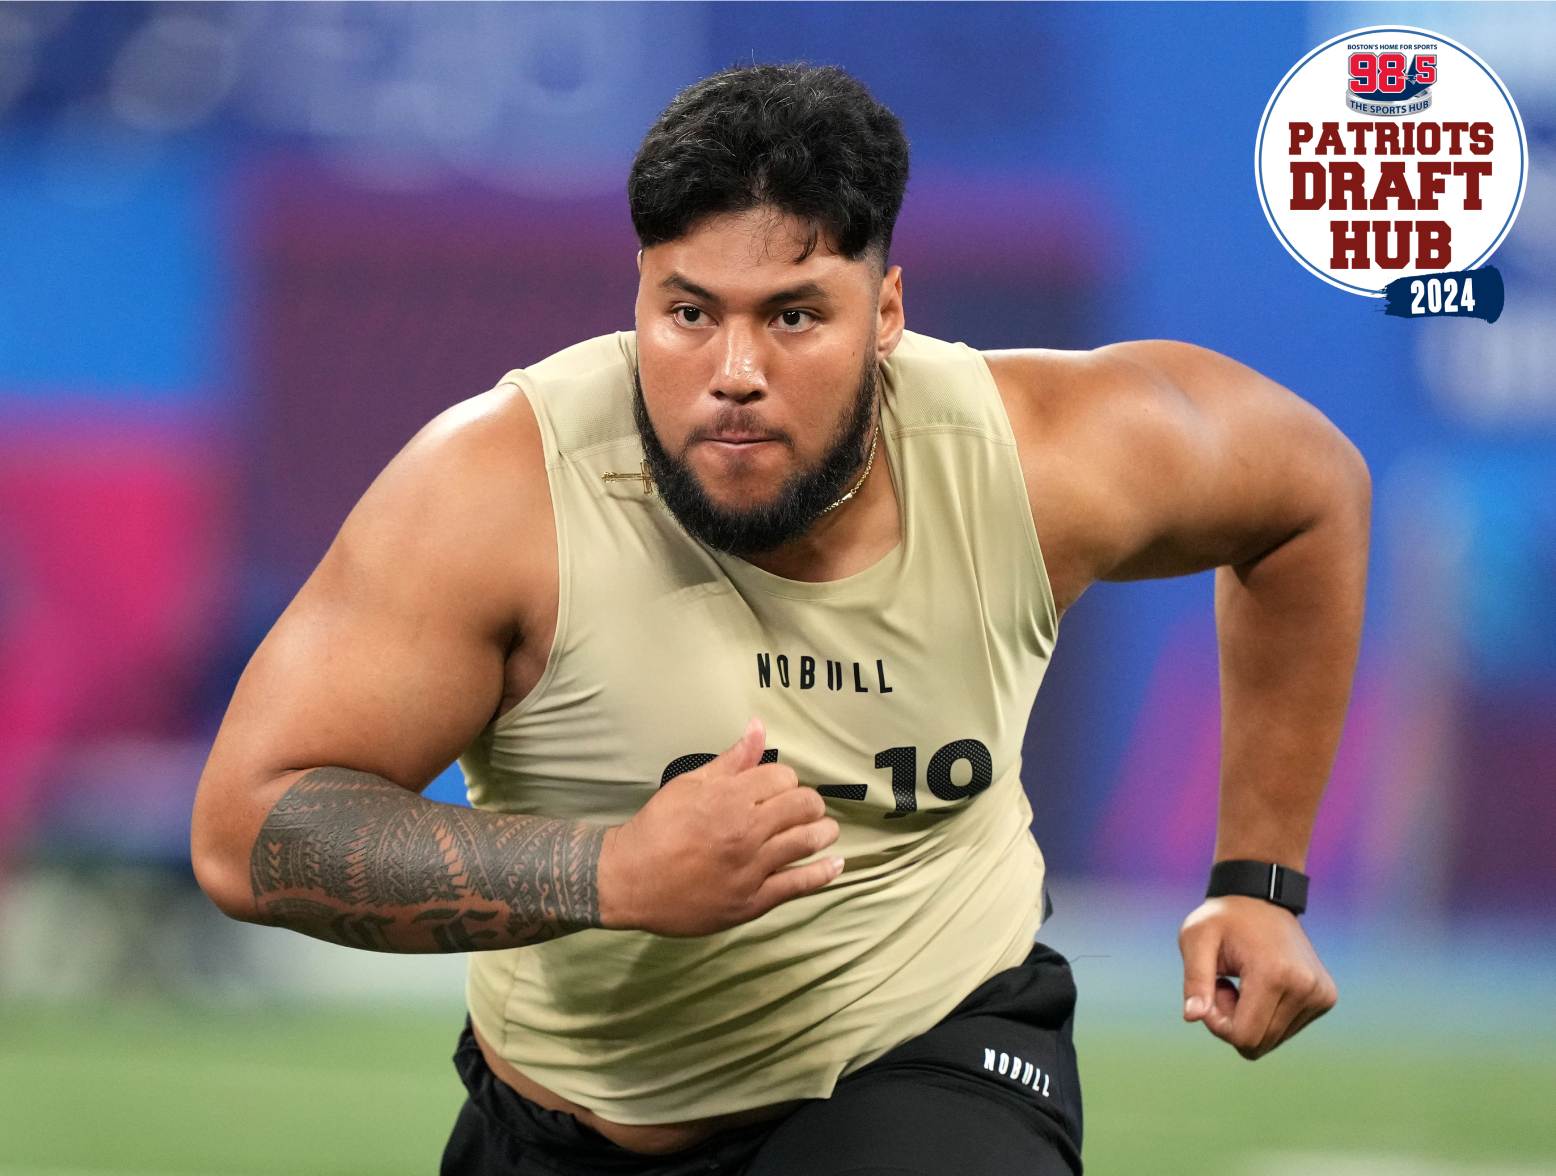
column 800, row 501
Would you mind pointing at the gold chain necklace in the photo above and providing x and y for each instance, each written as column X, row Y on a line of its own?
column 870, row 461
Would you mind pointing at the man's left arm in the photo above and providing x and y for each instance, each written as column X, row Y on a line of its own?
column 1191, row 461
column 1288, row 623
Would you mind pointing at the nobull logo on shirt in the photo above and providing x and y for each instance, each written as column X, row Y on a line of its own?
column 806, row 672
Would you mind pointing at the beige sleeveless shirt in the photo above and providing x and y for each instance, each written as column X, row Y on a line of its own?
column 901, row 692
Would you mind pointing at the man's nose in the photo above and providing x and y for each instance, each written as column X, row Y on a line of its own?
column 740, row 375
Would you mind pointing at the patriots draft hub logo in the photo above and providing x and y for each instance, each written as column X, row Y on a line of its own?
column 1382, row 83
column 1390, row 153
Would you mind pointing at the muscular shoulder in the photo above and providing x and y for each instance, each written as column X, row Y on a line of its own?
column 1128, row 448
column 1050, row 394
column 1071, row 411
column 458, row 515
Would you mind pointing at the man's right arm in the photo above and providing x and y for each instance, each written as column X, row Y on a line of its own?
column 390, row 660
column 357, row 859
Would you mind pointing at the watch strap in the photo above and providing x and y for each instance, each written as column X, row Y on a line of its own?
column 1270, row 881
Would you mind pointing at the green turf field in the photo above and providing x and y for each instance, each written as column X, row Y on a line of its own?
column 156, row 1090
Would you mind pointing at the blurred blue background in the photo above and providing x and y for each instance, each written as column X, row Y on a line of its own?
column 246, row 250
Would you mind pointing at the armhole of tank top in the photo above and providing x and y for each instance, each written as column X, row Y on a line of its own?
column 554, row 462
column 1028, row 524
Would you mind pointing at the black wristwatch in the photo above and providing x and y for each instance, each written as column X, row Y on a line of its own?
column 1279, row 884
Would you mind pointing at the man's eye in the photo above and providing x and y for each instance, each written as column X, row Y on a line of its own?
column 692, row 313
column 795, row 318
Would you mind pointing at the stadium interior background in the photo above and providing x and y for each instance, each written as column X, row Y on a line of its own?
column 246, row 250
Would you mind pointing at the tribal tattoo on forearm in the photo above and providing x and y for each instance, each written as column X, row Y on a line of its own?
column 355, row 859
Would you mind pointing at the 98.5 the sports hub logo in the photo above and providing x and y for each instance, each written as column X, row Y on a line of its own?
column 1391, row 162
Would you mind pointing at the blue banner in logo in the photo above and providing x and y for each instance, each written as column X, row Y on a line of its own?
column 1475, row 293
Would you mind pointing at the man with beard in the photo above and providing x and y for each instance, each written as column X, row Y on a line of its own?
column 771, row 520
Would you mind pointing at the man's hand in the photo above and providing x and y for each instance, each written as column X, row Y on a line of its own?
column 1283, row 986
column 713, row 848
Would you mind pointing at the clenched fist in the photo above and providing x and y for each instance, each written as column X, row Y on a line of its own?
column 1282, row 986
column 713, row 848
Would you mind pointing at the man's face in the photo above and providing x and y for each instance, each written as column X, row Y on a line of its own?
column 757, row 375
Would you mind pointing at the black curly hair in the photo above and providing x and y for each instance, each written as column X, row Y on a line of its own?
column 809, row 140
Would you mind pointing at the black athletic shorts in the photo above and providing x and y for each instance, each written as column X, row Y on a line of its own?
column 991, row 1090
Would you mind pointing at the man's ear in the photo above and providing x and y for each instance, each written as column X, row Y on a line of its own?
column 640, row 261
column 890, row 320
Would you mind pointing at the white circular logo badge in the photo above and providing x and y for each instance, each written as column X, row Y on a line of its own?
column 1390, row 153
